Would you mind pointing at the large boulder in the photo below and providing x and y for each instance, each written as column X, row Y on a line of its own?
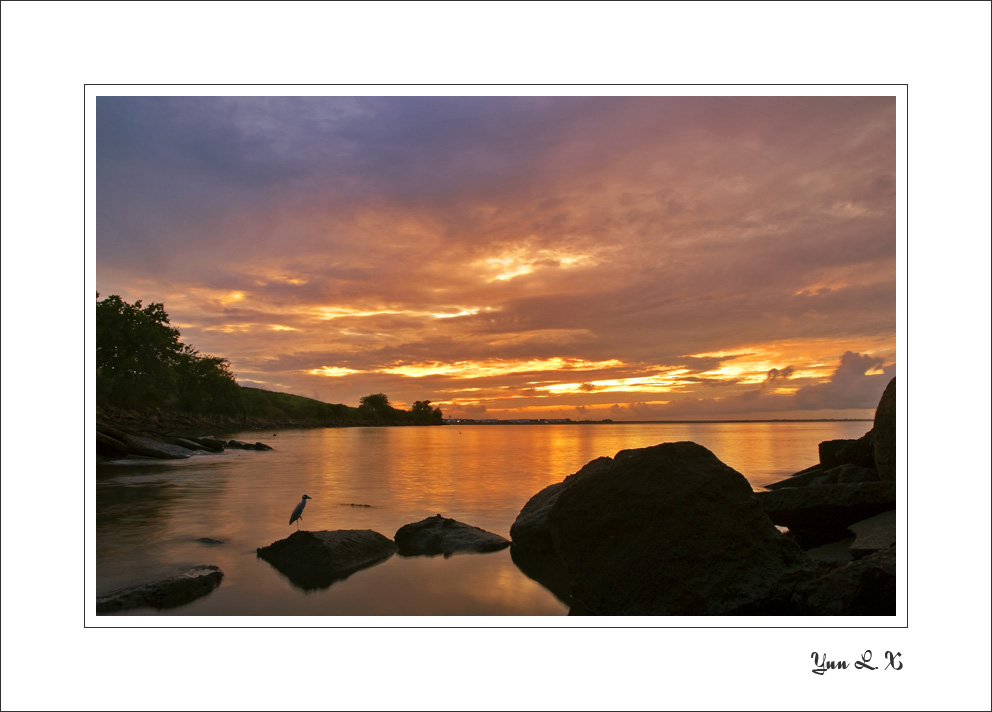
column 530, row 533
column 317, row 559
column 885, row 433
column 438, row 535
column 664, row 530
column 820, row 514
column 175, row 591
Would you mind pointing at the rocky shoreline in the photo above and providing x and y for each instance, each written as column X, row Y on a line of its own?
column 671, row 530
column 663, row 530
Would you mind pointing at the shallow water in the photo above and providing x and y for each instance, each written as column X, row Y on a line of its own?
column 150, row 516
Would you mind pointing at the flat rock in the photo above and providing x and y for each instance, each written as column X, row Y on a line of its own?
column 314, row 560
column 239, row 445
column 820, row 514
column 877, row 533
column 189, row 444
column 438, row 535
column 838, row 552
column 664, row 530
column 175, row 591
column 821, row 475
column 149, row 447
column 865, row 587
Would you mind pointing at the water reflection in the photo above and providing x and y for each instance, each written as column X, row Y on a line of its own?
column 149, row 518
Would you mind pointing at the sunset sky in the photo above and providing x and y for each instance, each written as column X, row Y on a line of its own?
column 633, row 258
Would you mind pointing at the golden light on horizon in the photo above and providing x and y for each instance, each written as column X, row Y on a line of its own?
column 496, row 367
column 331, row 371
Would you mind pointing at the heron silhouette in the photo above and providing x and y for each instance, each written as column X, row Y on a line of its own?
column 298, row 512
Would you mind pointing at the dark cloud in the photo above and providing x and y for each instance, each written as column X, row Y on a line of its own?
column 654, row 231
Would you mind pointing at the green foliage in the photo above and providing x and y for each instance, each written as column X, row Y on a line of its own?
column 141, row 364
column 259, row 403
column 424, row 413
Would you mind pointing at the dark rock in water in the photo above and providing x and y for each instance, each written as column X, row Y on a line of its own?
column 317, row 559
column 208, row 541
column 663, row 530
column 860, row 452
column 169, row 593
column 211, row 444
column 438, row 535
column 530, row 532
column 866, row 587
column 820, row 514
column 885, row 433
column 875, row 534
column 239, row 445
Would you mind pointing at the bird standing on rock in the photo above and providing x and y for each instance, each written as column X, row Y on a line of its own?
column 298, row 512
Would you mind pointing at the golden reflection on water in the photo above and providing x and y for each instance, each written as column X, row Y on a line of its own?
column 150, row 517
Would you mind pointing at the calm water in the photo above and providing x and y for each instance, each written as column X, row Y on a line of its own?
column 148, row 517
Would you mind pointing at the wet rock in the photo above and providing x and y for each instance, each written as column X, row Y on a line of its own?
column 866, row 587
column 209, row 541
column 820, row 514
column 168, row 593
column 664, row 530
column 314, row 560
column 885, row 433
column 439, row 535
column 875, row 534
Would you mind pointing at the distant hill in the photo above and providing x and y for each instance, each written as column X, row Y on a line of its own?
column 259, row 404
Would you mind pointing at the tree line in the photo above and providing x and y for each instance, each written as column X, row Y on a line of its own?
column 142, row 365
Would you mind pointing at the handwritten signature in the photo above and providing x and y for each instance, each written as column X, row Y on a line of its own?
column 823, row 664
